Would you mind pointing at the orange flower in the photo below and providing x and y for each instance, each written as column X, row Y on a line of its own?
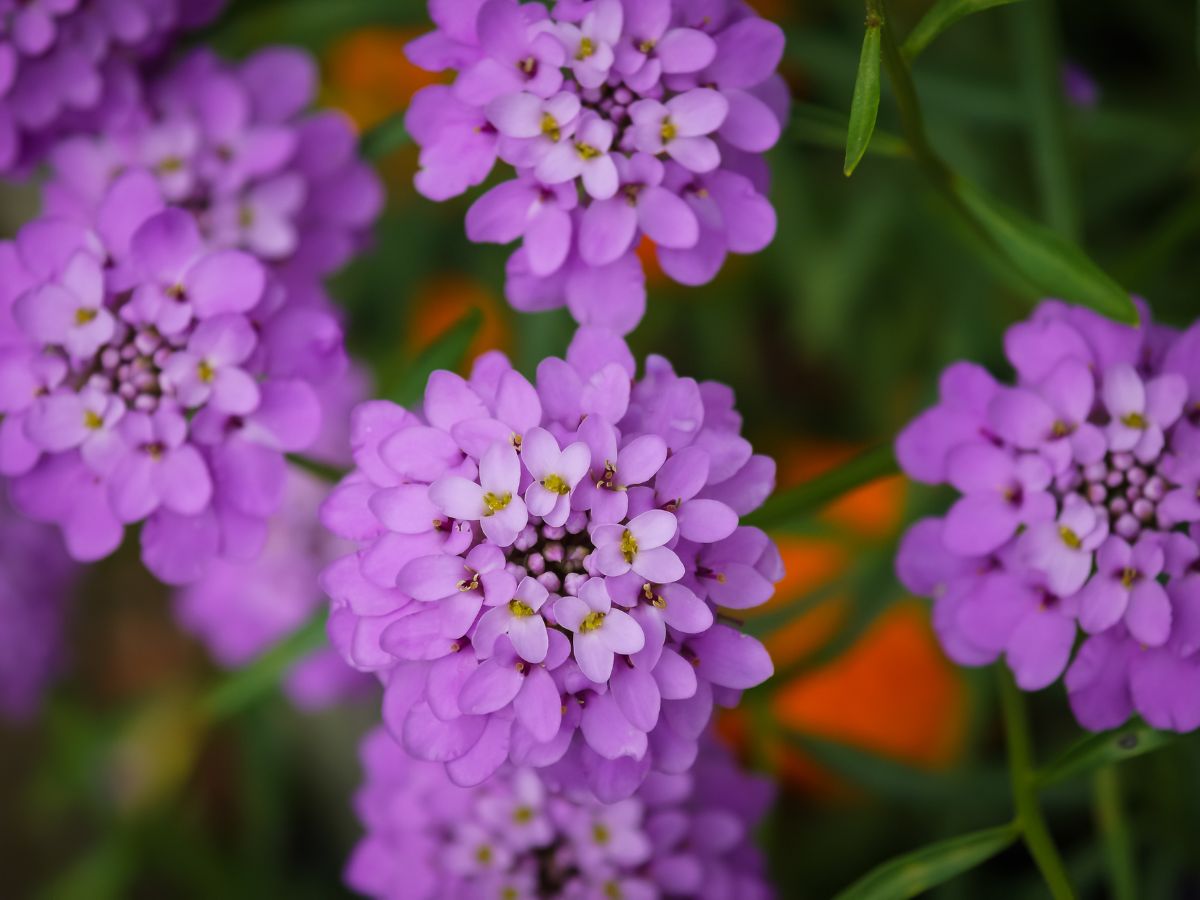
column 892, row 692
column 369, row 75
column 442, row 302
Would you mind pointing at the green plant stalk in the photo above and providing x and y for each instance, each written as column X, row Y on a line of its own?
column 1029, row 818
column 1114, row 832
column 1036, row 47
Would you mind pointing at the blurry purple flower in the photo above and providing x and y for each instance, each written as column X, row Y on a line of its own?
column 1079, row 87
column 657, row 109
column 1079, row 498
column 523, row 835
column 553, row 632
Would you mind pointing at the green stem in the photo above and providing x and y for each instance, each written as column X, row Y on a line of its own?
column 385, row 138
column 1036, row 48
column 1114, row 831
column 1030, row 819
column 320, row 470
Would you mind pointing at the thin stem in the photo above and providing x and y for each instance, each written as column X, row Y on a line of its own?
column 1030, row 820
column 1114, row 831
column 1036, row 50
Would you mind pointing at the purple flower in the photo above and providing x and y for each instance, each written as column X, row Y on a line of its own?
column 576, row 628
column 36, row 578
column 653, row 115
column 68, row 67
column 523, row 834
column 1079, row 498
column 156, row 366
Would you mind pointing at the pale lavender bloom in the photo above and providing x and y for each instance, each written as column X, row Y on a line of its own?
column 554, row 631
column 1078, row 511
column 655, row 115
column 523, row 834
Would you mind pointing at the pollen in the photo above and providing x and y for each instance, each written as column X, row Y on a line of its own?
column 92, row 420
column 496, row 502
column 555, row 484
column 668, row 132
column 1128, row 577
column 629, row 546
column 600, row 834
column 170, row 164
column 551, row 128
column 471, row 585
column 1069, row 537
column 528, row 65
column 593, row 621
column 83, row 315
column 1061, row 429
column 520, row 609
column 483, row 854
column 1135, row 420
column 587, row 47
column 522, row 814
column 646, row 46
column 205, row 371
column 587, row 151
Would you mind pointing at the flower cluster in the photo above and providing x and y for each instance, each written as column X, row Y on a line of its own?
column 71, row 65
column 240, row 608
column 35, row 579
column 621, row 119
column 162, row 326
column 1079, row 510
column 541, row 567
column 684, row 835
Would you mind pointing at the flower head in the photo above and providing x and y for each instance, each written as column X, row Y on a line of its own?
column 540, row 567
column 652, row 114
column 521, row 836
column 1078, row 511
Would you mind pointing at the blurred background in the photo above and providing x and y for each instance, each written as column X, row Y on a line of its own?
column 131, row 781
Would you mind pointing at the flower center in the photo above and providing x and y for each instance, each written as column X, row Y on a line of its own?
column 496, row 502
column 591, row 622
column 84, row 316
column 1135, row 420
column 1061, row 429
column 556, row 484
column 668, row 131
column 1128, row 577
column 522, row 815
column 550, row 127
column 607, row 479
column 154, row 450
column 629, row 545
column 587, row 151
column 1069, row 537
column 92, row 420
column 587, row 47
column 205, row 371
column 528, row 65
column 646, row 46
column 471, row 585
column 520, row 609
column 600, row 834
column 483, row 855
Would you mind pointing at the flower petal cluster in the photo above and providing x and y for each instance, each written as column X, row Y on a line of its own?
column 1078, row 511
column 541, row 568
column 241, row 608
column 36, row 577
column 687, row 834
column 621, row 120
column 155, row 368
column 71, row 65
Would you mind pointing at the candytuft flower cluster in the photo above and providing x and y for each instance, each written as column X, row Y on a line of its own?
column 1079, row 510
column 541, row 569
column 68, row 66
column 621, row 119
column 680, row 835
column 162, row 326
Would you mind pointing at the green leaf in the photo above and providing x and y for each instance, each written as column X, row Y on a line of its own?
column 1098, row 750
column 864, row 107
column 447, row 352
column 805, row 500
column 812, row 124
column 943, row 14
column 914, row 873
column 248, row 685
column 385, row 138
column 321, row 470
column 1055, row 265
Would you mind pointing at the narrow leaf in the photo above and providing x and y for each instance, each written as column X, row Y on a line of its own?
column 447, row 352
column 1098, row 750
column 864, row 107
column 812, row 124
column 807, row 499
column 248, row 685
column 914, row 873
column 1055, row 265
column 385, row 138
column 943, row 14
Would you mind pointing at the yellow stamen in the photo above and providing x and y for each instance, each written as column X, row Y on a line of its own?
column 1135, row 420
column 1061, row 429
column 612, row 890
column 669, row 131
column 629, row 546
column 245, row 216
column 471, row 585
column 593, row 621
column 522, row 814
column 646, row 46
column 92, row 421
column 170, row 164
column 600, row 834
column 1069, row 537
column 587, row 47
column 484, row 854
column 587, row 151
column 556, row 485
column 83, row 316
column 550, row 128
column 527, row 65
column 205, row 371
column 496, row 502
column 520, row 609
column 1128, row 577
